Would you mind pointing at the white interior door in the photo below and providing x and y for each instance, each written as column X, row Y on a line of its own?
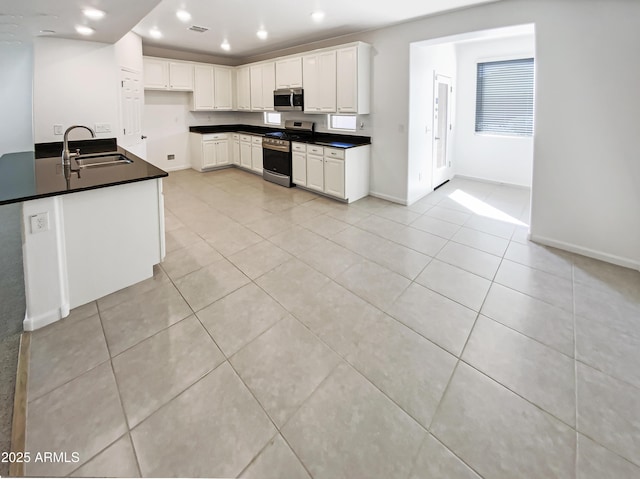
column 131, row 108
column 442, row 169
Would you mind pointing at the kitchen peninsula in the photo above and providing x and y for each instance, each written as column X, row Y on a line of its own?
column 87, row 232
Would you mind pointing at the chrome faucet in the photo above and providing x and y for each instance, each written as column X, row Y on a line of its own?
column 66, row 154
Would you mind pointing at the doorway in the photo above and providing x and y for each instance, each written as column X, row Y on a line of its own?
column 131, row 104
column 442, row 170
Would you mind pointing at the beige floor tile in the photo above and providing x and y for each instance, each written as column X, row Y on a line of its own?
column 613, row 308
column 421, row 241
column 158, row 279
column 596, row 462
column 373, row 283
column 276, row 461
column 283, row 366
column 216, row 428
column 436, row 226
column 161, row 367
column 189, row 259
column 461, row 286
column 324, row 225
column 470, row 259
column 82, row 416
column 203, row 287
column 378, row 225
column 532, row 317
column 76, row 314
column 544, row 258
column 180, row 238
column 293, row 284
column 434, row 316
column 412, row 371
column 608, row 277
column 482, row 241
column 269, row 227
column 136, row 319
column 240, row 317
column 609, row 412
column 348, row 214
column 534, row 371
column 349, row 429
column 259, row 258
column 64, row 354
column 297, row 240
column 232, row 239
column 117, row 460
column 435, row 460
column 398, row 213
column 455, row 216
column 478, row 415
column 340, row 318
column 495, row 227
column 330, row 258
column 547, row 287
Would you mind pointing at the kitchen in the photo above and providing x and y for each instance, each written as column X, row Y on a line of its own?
column 566, row 219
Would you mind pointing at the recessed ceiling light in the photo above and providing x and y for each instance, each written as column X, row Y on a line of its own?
column 225, row 46
column 93, row 13
column 84, row 30
column 155, row 33
column 183, row 15
column 262, row 34
column 317, row 16
column 47, row 32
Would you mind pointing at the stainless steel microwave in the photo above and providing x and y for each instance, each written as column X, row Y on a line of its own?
column 288, row 99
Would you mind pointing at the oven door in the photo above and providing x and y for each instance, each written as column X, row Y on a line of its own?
column 276, row 159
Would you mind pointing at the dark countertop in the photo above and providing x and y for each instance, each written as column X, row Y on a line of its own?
column 334, row 140
column 35, row 174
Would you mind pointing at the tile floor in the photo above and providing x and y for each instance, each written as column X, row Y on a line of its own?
column 288, row 335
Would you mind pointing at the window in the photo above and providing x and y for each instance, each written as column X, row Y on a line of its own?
column 343, row 122
column 272, row 118
column 504, row 97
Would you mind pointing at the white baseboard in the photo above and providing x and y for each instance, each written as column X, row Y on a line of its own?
column 37, row 322
column 177, row 168
column 393, row 199
column 608, row 258
column 493, row 182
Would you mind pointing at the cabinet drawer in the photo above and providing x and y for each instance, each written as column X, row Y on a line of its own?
column 246, row 138
column 299, row 147
column 235, row 136
column 214, row 136
column 315, row 150
column 256, row 140
column 334, row 153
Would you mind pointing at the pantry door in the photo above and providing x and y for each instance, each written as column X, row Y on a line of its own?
column 131, row 108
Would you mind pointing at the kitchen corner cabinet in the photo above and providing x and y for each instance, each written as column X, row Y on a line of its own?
column 336, row 172
column 319, row 79
column 353, row 73
column 213, row 88
column 209, row 150
column 243, row 88
column 235, row 148
column 256, row 154
column 162, row 74
column 263, row 82
column 245, row 151
column 289, row 73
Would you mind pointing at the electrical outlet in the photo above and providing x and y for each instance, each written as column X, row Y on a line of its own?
column 39, row 222
column 102, row 127
column 57, row 130
column 171, row 157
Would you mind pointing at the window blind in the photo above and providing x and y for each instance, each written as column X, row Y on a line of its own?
column 504, row 97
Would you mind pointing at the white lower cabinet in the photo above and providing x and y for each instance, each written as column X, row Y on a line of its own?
column 235, row 148
column 256, row 154
column 209, row 150
column 245, row 151
column 337, row 172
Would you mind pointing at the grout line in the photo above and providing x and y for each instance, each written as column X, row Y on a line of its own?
column 575, row 369
column 20, row 405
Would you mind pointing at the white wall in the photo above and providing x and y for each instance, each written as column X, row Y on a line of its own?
column 16, row 119
column 506, row 159
column 75, row 82
column 128, row 52
column 426, row 61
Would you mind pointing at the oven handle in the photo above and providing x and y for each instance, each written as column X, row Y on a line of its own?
column 284, row 149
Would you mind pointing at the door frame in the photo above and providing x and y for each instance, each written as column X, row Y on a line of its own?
column 441, row 175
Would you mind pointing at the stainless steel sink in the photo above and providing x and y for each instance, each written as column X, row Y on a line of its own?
column 95, row 160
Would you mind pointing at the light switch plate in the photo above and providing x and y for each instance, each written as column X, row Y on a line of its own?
column 39, row 222
column 102, row 127
column 57, row 130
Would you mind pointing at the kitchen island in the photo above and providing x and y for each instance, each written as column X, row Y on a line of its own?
column 87, row 232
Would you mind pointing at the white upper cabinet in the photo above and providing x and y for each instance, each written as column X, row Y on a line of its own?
column 181, row 76
column 223, row 88
column 161, row 74
column 319, row 82
column 353, row 90
column 289, row 73
column 263, row 82
column 243, row 88
column 202, row 87
column 156, row 74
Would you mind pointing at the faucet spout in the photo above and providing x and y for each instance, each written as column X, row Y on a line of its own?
column 66, row 154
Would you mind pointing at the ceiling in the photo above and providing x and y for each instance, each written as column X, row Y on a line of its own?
column 288, row 22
